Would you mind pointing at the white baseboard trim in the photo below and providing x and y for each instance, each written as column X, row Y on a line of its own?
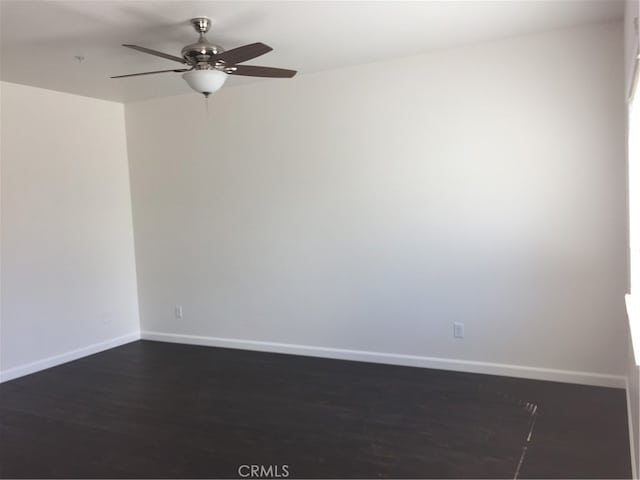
column 535, row 373
column 632, row 439
column 20, row 371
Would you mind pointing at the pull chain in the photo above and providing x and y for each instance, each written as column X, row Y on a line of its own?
column 206, row 105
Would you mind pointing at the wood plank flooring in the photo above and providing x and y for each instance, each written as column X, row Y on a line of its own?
column 158, row 410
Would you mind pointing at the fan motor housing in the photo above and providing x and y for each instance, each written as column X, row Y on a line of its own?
column 200, row 52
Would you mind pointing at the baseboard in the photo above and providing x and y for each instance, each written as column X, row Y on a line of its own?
column 535, row 373
column 49, row 362
column 632, row 439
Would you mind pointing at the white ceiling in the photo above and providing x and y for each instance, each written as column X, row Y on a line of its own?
column 41, row 38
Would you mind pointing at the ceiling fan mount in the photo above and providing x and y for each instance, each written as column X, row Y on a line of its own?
column 201, row 24
column 208, row 65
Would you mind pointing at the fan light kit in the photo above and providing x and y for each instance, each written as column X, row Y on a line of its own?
column 210, row 64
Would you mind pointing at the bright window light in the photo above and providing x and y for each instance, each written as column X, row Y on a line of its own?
column 633, row 299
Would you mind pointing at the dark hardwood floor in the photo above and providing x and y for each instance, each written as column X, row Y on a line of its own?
column 150, row 409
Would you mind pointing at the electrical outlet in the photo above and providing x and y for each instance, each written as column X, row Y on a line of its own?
column 458, row 330
column 178, row 312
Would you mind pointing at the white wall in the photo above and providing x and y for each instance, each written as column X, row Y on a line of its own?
column 369, row 207
column 68, row 267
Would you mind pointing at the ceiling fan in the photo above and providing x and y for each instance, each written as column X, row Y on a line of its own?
column 208, row 65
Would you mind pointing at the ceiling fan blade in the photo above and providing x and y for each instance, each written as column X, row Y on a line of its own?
column 151, row 73
column 244, row 53
column 257, row 71
column 156, row 53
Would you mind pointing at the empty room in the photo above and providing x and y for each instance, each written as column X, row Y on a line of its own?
column 319, row 239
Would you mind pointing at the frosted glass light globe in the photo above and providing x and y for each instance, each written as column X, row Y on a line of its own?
column 205, row 81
